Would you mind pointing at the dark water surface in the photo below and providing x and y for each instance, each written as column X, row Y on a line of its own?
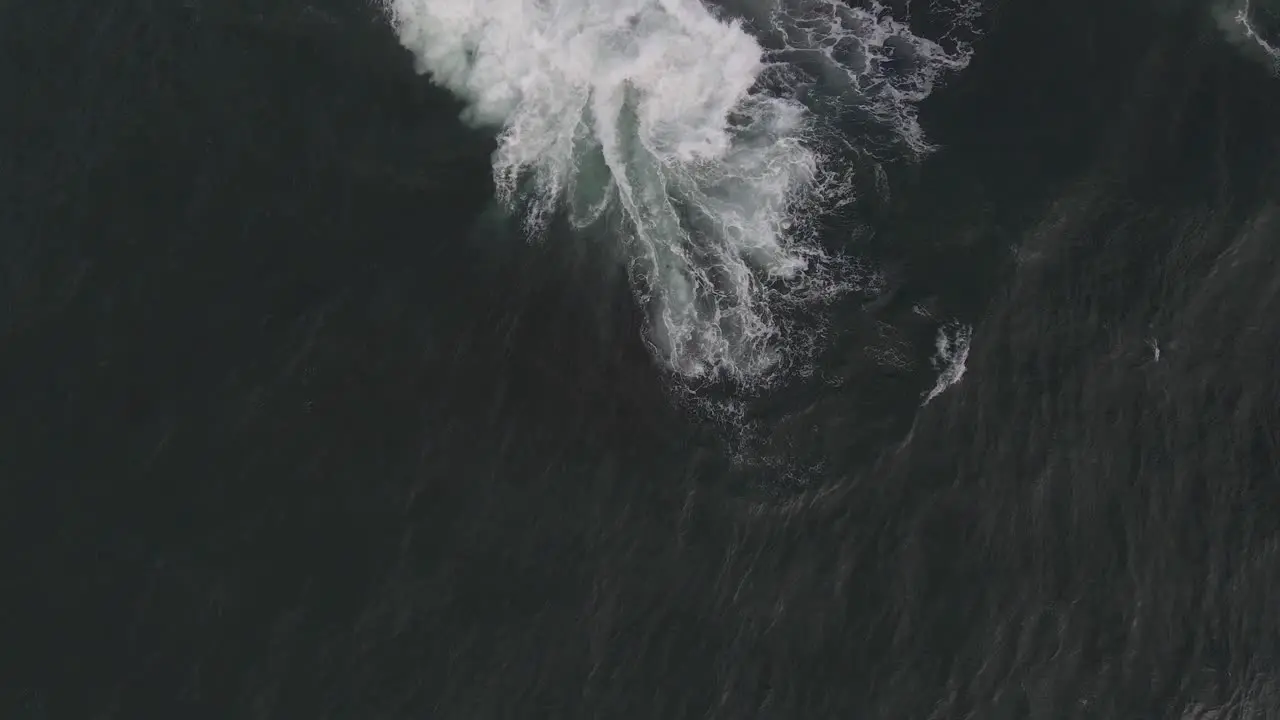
column 296, row 425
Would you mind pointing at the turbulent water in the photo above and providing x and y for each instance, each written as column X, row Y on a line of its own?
column 701, row 140
column 646, row 358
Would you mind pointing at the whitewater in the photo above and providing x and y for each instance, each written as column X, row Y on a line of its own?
column 700, row 141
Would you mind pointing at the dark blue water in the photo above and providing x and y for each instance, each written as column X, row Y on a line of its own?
column 297, row 425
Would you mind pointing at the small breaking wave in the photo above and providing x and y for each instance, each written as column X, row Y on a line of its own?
column 952, row 348
column 1243, row 22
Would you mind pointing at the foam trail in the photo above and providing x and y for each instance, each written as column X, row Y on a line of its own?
column 871, row 60
column 677, row 127
column 1236, row 19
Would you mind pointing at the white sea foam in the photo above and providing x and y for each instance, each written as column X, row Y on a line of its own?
column 692, row 139
column 1237, row 19
column 952, row 353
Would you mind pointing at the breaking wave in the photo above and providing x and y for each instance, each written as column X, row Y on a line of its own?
column 701, row 136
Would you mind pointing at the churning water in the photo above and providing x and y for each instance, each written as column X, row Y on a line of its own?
column 698, row 139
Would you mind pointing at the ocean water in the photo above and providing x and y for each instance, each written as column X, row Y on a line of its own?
column 654, row 358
